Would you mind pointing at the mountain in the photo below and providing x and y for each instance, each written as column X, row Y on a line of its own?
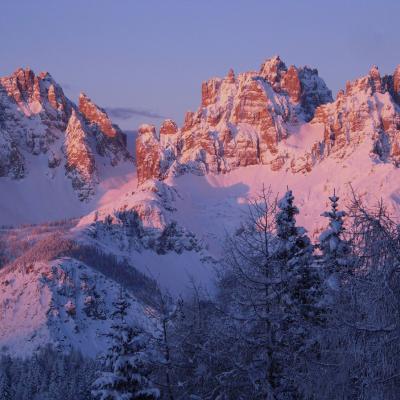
column 240, row 122
column 53, row 149
column 59, row 281
column 278, row 127
column 167, row 217
column 56, row 290
column 281, row 117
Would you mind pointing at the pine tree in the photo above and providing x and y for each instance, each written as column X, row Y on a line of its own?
column 272, row 291
column 285, row 218
column 300, row 294
column 295, row 254
column 337, row 304
column 335, row 250
column 58, row 387
column 127, row 375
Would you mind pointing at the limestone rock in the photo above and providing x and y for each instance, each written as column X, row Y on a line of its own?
column 241, row 121
column 147, row 153
column 36, row 118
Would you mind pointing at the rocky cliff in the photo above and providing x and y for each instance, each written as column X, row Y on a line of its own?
column 37, row 119
column 367, row 110
column 281, row 117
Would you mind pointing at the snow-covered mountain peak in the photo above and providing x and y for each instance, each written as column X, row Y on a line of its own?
column 34, row 94
column 96, row 115
column 366, row 111
column 272, row 69
column 253, row 118
column 42, row 130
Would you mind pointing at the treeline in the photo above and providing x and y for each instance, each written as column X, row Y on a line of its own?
column 47, row 375
column 57, row 245
column 15, row 241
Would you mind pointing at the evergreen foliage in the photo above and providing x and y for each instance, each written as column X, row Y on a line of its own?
column 335, row 249
column 47, row 375
column 126, row 377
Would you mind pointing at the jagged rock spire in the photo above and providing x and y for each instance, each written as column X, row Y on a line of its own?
column 42, row 121
column 231, row 76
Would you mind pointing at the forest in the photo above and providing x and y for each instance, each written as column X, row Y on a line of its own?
column 290, row 318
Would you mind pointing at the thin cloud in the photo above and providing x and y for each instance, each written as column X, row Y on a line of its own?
column 124, row 113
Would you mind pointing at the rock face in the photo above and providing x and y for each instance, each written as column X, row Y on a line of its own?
column 147, row 153
column 396, row 84
column 366, row 112
column 80, row 161
column 36, row 118
column 168, row 127
column 254, row 118
column 110, row 140
column 96, row 115
column 241, row 121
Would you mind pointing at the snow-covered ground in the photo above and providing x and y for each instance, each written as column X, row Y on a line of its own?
column 63, row 302
column 213, row 204
column 40, row 197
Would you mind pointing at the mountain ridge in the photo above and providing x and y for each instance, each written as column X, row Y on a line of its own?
column 168, row 219
column 36, row 118
column 246, row 120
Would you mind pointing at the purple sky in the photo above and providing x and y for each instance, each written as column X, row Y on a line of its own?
column 147, row 58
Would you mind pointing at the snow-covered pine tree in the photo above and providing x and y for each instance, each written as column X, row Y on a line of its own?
column 272, row 291
column 126, row 378
column 295, row 255
column 298, row 300
column 248, row 296
column 336, row 251
column 335, row 337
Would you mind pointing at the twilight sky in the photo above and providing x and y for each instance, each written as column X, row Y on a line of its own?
column 146, row 59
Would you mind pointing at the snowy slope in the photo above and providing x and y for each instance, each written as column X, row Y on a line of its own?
column 212, row 205
column 47, row 196
column 140, row 225
column 33, row 301
column 62, row 302
column 55, row 290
